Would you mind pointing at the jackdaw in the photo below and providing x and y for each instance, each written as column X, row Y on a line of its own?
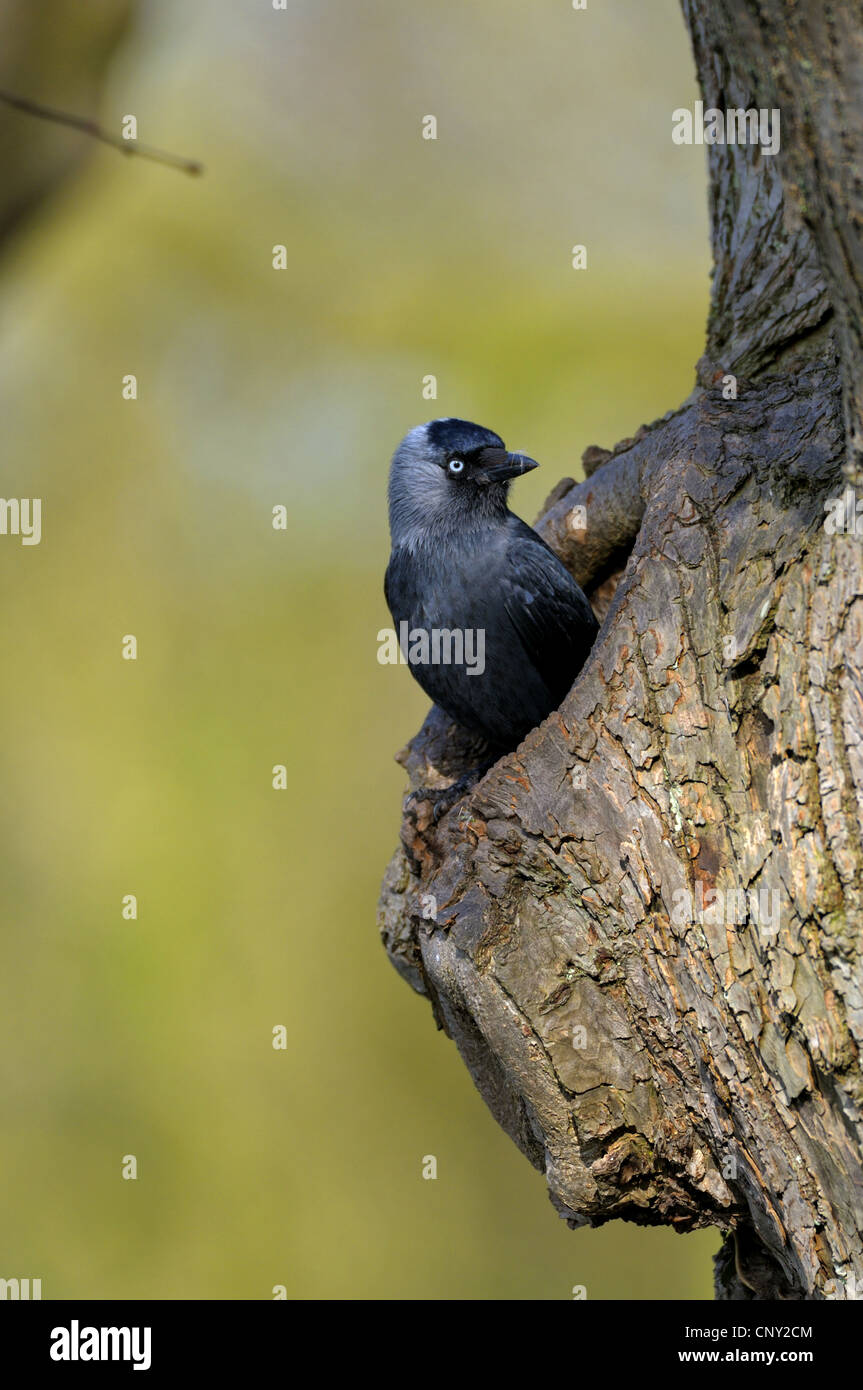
column 463, row 564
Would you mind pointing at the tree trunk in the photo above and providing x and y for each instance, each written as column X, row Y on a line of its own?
column 643, row 928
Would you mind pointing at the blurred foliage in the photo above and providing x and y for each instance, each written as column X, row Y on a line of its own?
column 256, row 647
column 55, row 54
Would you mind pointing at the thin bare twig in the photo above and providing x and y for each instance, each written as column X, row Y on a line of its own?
column 88, row 127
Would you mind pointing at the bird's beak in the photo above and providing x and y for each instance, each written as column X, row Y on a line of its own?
column 498, row 466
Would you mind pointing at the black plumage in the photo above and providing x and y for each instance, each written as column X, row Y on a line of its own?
column 462, row 561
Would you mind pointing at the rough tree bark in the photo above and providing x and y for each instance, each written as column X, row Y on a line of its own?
column 664, row 1055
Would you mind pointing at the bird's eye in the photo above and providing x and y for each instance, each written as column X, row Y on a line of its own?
column 456, row 466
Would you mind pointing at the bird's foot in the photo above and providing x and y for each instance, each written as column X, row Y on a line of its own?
column 442, row 799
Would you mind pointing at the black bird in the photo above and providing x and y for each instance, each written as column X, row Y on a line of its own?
column 462, row 562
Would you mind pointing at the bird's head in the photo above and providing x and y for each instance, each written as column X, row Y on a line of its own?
column 449, row 474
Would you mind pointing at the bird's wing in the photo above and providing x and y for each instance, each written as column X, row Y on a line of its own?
column 387, row 587
column 553, row 619
column 394, row 584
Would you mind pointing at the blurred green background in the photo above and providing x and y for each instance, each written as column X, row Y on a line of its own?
column 406, row 257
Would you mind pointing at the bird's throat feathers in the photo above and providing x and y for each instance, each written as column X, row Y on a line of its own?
column 426, row 508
